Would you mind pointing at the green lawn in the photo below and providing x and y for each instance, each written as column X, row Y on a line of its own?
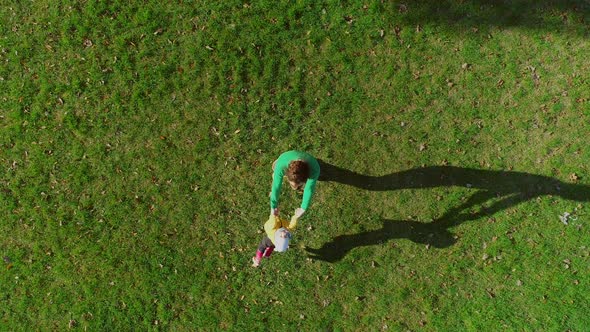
column 136, row 143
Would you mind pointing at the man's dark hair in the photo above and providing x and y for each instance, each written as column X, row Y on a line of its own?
column 298, row 172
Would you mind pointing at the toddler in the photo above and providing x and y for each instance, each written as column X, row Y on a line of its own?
column 277, row 236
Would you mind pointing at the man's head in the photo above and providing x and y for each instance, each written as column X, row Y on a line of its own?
column 281, row 241
column 297, row 174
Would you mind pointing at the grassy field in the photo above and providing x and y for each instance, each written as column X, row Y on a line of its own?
column 137, row 138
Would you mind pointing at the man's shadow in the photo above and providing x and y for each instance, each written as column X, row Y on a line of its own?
column 507, row 188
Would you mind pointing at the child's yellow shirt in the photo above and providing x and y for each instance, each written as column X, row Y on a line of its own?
column 276, row 222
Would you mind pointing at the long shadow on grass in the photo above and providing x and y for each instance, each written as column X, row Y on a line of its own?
column 503, row 188
column 543, row 15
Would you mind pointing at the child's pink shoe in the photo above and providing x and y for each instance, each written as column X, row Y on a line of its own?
column 255, row 261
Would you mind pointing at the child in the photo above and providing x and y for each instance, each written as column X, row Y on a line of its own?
column 302, row 171
column 276, row 237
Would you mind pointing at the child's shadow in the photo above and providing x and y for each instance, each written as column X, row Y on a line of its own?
column 508, row 188
column 429, row 234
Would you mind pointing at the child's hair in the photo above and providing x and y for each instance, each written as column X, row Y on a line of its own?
column 298, row 171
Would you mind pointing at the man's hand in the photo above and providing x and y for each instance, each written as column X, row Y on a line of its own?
column 298, row 213
column 274, row 212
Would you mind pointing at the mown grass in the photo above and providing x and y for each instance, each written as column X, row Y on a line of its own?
column 137, row 141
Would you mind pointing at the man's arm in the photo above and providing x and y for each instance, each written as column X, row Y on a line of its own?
column 308, row 193
column 277, row 181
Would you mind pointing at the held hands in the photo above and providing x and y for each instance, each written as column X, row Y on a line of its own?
column 298, row 212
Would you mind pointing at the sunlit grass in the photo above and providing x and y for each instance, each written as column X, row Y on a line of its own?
column 136, row 142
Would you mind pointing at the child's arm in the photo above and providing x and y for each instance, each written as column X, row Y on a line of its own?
column 277, row 222
column 293, row 223
column 298, row 213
